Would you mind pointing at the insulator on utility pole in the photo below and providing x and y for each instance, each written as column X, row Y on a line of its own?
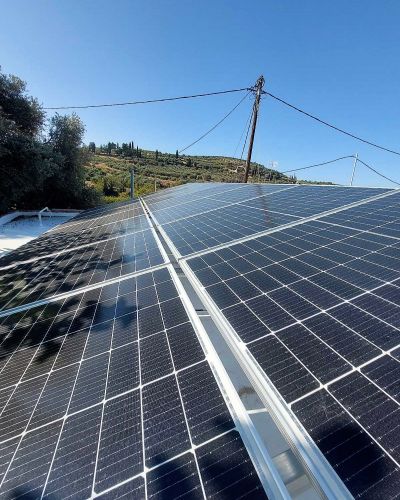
column 258, row 91
column 354, row 169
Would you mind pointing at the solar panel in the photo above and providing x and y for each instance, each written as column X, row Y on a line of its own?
column 70, row 235
column 74, row 269
column 207, row 230
column 110, row 387
column 100, row 218
column 198, row 222
column 103, row 393
column 380, row 217
column 209, row 200
column 316, row 308
column 188, row 192
column 100, row 211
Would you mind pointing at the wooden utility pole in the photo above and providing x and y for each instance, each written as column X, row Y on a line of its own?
column 258, row 90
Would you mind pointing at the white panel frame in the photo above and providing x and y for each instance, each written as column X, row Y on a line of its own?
column 267, row 471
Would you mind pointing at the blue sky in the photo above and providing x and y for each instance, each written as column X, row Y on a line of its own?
column 339, row 60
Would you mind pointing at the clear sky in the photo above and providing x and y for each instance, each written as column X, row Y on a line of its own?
column 336, row 59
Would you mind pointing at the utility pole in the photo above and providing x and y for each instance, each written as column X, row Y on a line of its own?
column 354, row 169
column 258, row 90
column 132, row 184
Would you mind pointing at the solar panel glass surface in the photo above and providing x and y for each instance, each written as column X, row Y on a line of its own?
column 77, row 268
column 102, row 393
column 381, row 217
column 200, row 218
column 72, row 235
column 105, row 392
column 317, row 306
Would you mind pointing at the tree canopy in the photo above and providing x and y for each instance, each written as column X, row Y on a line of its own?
column 38, row 169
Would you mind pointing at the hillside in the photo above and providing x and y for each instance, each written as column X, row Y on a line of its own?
column 109, row 173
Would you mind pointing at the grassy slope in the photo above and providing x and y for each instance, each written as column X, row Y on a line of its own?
column 170, row 171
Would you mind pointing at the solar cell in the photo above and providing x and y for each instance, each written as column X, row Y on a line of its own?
column 368, row 326
column 385, row 372
column 285, row 371
column 226, row 469
column 346, row 342
column 178, row 478
column 374, row 410
column 105, row 388
column 134, row 490
column 361, row 463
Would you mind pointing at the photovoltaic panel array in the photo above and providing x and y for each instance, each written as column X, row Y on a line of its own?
column 113, row 243
column 108, row 391
column 103, row 394
column 81, row 230
column 317, row 307
column 88, row 265
column 195, row 203
column 380, row 217
column 198, row 220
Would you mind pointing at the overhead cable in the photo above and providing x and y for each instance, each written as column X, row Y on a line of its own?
column 332, row 126
column 215, row 126
column 343, row 158
column 378, row 173
column 246, row 125
column 317, row 164
column 247, row 133
column 148, row 101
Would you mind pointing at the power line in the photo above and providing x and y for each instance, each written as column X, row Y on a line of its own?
column 343, row 158
column 317, row 164
column 216, row 125
column 243, row 131
column 332, row 126
column 148, row 101
column 378, row 173
column 247, row 133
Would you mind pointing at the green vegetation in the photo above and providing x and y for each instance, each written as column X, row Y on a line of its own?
column 39, row 170
column 108, row 171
